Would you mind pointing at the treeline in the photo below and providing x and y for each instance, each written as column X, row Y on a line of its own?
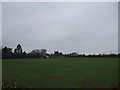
column 8, row 53
column 19, row 53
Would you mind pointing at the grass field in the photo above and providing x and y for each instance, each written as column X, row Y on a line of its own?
column 61, row 72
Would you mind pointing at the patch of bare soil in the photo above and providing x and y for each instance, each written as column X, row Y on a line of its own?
column 48, row 77
column 61, row 77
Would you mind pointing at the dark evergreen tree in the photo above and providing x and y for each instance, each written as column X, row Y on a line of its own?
column 7, row 52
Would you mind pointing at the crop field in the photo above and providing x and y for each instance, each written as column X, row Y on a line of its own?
column 61, row 72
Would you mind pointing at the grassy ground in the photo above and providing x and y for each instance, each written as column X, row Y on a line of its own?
column 61, row 72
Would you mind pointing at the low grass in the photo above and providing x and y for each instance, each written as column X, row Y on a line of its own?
column 61, row 72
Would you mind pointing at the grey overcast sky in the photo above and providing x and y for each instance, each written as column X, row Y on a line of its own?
column 0, row 25
column 84, row 27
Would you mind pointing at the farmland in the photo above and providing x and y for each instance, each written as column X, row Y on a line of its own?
column 61, row 72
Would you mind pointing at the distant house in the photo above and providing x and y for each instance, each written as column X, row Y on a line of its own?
column 74, row 54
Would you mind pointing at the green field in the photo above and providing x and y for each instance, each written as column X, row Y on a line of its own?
column 61, row 72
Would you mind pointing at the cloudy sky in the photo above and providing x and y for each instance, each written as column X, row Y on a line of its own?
column 0, row 25
column 89, row 27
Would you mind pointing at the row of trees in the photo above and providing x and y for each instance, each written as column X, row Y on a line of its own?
column 19, row 53
column 42, row 53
